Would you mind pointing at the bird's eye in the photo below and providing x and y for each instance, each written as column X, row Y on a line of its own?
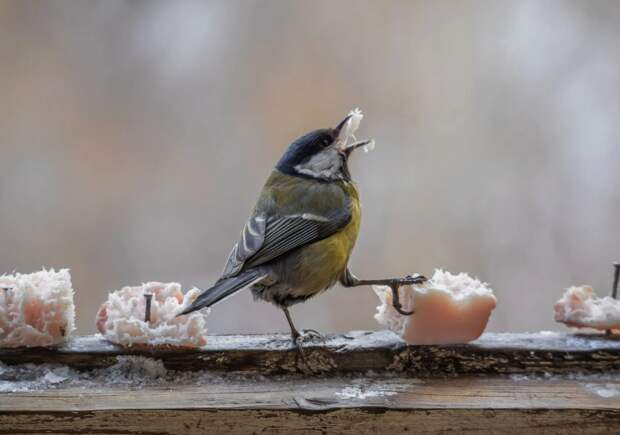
column 325, row 141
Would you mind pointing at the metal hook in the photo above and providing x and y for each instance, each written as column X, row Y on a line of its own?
column 147, row 311
column 396, row 301
column 614, row 288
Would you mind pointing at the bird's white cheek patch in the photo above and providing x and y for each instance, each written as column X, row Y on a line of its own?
column 325, row 165
column 448, row 309
column 580, row 307
column 36, row 309
column 122, row 319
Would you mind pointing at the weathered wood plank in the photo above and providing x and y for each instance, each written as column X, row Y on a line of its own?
column 295, row 404
column 424, row 398
column 322, row 394
column 356, row 421
column 356, row 351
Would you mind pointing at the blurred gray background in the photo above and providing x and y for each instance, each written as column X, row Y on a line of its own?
column 136, row 135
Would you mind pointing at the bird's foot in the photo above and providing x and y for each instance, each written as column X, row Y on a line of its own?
column 410, row 280
column 306, row 335
column 350, row 280
column 399, row 282
column 311, row 334
column 299, row 338
column 396, row 283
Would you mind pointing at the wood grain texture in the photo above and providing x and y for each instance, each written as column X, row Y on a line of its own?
column 354, row 352
column 356, row 421
column 324, row 405
column 502, row 383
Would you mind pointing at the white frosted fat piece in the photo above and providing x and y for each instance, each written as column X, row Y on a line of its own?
column 580, row 307
column 36, row 309
column 353, row 122
column 351, row 126
column 370, row 146
column 448, row 309
column 121, row 319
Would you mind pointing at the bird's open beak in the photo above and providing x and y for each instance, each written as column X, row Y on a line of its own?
column 343, row 123
column 344, row 134
column 358, row 144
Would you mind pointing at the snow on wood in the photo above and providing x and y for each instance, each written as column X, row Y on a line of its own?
column 512, row 353
column 542, row 382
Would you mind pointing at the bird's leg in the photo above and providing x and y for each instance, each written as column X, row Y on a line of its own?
column 295, row 334
column 350, row 280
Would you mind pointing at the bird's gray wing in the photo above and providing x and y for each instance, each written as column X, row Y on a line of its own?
column 252, row 238
column 266, row 238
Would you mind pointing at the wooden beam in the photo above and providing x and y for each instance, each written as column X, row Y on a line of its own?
column 502, row 383
column 354, row 352
column 332, row 404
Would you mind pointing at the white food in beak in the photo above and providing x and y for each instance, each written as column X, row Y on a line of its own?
column 352, row 125
column 36, row 309
column 370, row 146
column 448, row 309
column 580, row 307
column 121, row 318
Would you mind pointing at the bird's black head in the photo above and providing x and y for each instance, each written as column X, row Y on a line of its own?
column 321, row 154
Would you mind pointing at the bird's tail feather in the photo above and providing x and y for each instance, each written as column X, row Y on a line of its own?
column 222, row 289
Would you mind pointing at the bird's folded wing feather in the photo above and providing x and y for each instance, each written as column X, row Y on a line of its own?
column 264, row 239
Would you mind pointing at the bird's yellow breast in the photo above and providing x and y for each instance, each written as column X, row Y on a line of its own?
column 321, row 264
column 317, row 266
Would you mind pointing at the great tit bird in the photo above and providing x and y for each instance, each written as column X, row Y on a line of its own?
column 299, row 237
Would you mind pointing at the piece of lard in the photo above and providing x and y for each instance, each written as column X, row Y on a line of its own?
column 448, row 309
column 351, row 126
column 353, row 123
column 121, row 319
column 37, row 309
column 579, row 307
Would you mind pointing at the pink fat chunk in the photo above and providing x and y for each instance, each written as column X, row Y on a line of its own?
column 448, row 309
column 579, row 307
column 121, row 319
column 37, row 309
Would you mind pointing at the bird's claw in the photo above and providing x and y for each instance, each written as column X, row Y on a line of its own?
column 397, row 283
column 308, row 335
column 298, row 341
column 311, row 334
column 413, row 280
